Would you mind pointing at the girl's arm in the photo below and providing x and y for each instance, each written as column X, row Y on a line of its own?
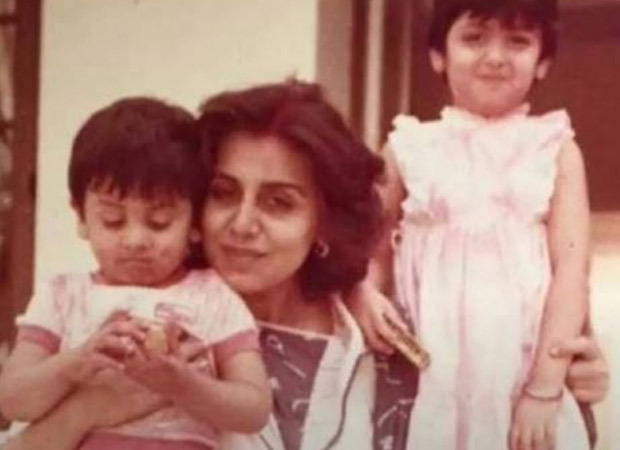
column 33, row 380
column 566, row 304
column 239, row 399
column 368, row 301
column 534, row 416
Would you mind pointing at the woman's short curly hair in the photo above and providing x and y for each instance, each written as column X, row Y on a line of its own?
column 343, row 168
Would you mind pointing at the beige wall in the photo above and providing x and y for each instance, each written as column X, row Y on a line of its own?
column 96, row 51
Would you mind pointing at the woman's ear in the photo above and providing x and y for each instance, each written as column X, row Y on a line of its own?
column 542, row 69
column 438, row 61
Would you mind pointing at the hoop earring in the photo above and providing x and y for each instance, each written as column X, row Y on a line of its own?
column 321, row 249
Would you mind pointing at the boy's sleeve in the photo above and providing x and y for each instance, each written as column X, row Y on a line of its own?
column 231, row 325
column 42, row 322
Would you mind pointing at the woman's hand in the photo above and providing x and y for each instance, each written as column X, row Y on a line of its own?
column 370, row 308
column 588, row 373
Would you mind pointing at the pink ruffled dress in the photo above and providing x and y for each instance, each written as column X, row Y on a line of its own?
column 472, row 266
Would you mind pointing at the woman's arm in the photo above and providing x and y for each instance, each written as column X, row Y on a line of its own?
column 62, row 429
column 369, row 300
column 392, row 192
column 87, row 409
column 33, row 381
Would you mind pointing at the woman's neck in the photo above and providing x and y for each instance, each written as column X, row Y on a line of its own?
column 287, row 305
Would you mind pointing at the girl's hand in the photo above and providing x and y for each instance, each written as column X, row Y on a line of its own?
column 115, row 340
column 533, row 424
column 370, row 309
column 588, row 373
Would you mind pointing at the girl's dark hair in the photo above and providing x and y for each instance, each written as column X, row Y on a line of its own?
column 138, row 145
column 343, row 168
column 540, row 14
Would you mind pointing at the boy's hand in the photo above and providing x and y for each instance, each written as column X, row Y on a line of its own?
column 534, row 424
column 106, row 349
column 160, row 371
column 370, row 309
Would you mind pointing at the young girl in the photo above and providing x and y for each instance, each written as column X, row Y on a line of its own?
column 136, row 185
column 491, row 252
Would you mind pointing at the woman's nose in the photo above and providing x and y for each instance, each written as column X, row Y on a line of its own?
column 245, row 220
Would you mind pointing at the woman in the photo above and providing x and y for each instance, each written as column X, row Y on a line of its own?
column 289, row 223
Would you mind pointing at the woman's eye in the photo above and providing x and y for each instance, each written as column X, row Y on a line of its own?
column 279, row 203
column 222, row 192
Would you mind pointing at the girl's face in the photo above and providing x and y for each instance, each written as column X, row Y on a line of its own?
column 135, row 240
column 490, row 67
column 261, row 215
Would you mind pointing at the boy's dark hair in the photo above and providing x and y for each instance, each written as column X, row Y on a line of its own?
column 343, row 168
column 138, row 145
column 540, row 14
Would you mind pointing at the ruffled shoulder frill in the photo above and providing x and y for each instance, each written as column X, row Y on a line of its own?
column 540, row 141
column 410, row 142
column 516, row 154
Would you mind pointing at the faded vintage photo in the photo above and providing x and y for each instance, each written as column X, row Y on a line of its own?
column 309, row 224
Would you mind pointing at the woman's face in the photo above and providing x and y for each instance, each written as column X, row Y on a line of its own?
column 261, row 215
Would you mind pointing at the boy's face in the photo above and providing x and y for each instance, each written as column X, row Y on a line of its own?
column 136, row 240
column 490, row 67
